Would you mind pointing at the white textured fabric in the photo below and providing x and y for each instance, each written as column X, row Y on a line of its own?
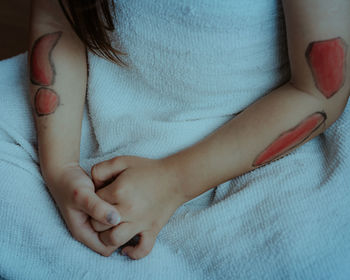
column 194, row 65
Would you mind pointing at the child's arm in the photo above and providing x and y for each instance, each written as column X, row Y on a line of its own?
column 146, row 192
column 318, row 43
column 58, row 77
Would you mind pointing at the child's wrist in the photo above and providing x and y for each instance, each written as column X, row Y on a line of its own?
column 53, row 172
column 182, row 184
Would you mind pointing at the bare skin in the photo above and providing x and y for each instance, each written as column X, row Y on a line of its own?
column 146, row 192
column 74, row 194
column 58, row 75
column 267, row 130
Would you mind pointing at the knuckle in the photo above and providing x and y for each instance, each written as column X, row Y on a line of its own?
column 123, row 183
column 76, row 194
column 94, row 171
column 115, row 161
column 80, row 195
column 144, row 251
column 106, row 252
column 141, row 252
column 115, row 238
column 118, row 191
column 120, row 161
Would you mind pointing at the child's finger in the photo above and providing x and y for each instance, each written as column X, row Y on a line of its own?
column 97, row 226
column 143, row 248
column 119, row 235
column 104, row 172
column 86, row 235
column 97, row 208
column 109, row 195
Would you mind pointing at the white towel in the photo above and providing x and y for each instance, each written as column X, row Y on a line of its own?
column 207, row 61
column 192, row 67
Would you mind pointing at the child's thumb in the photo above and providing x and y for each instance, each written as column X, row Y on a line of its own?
column 100, row 210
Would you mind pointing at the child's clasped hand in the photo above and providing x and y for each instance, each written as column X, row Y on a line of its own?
column 144, row 192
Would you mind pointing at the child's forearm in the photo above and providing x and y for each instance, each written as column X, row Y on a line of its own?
column 265, row 131
column 318, row 39
column 58, row 76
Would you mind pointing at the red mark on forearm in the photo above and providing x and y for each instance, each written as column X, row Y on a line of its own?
column 46, row 101
column 291, row 138
column 327, row 60
column 42, row 69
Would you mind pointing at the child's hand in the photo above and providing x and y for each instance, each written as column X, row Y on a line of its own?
column 74, row 194
column 144, row 192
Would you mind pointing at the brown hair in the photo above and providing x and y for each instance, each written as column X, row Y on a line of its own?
column 92, row 20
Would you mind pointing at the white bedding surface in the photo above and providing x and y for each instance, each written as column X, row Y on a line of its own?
column 287, row 220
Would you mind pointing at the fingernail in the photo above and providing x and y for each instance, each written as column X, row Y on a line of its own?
column 113, row 218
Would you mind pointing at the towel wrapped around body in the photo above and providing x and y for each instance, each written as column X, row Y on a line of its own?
column 193, row 67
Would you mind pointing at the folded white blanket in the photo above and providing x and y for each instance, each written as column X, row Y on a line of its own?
column 287, row 220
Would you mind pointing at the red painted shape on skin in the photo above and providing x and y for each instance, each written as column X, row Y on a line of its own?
column 42, row 70
column 46, row 101
column 291, row 138
column 327, row 62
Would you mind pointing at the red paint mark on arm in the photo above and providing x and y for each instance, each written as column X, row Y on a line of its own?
column 327, row 60
column 291, row 138
column 42, row 70
column 46, row 101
